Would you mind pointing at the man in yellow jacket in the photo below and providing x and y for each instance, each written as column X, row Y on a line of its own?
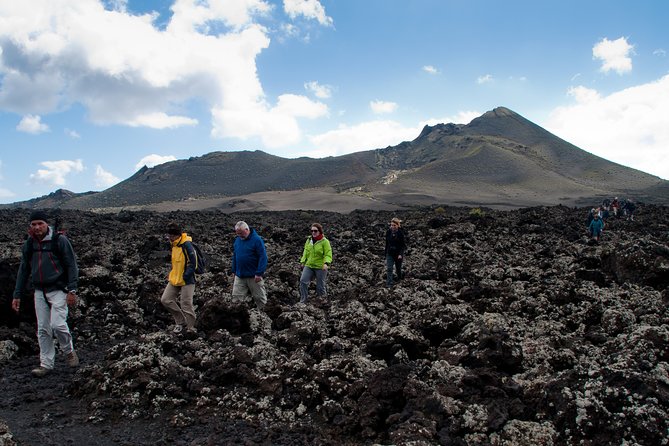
column 315, row 261
column 181, row 280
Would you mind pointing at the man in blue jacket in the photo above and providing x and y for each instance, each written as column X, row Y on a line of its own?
column 48, row 257
column 249, row 262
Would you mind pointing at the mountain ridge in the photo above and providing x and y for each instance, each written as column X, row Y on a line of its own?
column 499, row 159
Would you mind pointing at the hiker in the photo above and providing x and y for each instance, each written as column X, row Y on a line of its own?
column 394, row 251
column 596, row 227
column 628, row 209
column 249, row 262
column 591, row 215
column 615, row 205
column 604, row 209
column 178, row 295
column 315, row 261
column 49, row 256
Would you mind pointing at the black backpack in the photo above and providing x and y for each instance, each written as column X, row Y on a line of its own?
column 200, row 258
column 53, row 247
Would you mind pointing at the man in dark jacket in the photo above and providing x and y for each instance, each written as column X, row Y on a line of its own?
column 249, row 262
column 50, row 259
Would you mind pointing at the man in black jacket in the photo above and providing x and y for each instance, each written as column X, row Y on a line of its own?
column 48, row 256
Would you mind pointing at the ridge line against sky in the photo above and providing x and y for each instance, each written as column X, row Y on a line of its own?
column 91, row 90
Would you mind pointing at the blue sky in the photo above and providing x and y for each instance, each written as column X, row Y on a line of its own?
column 91, row 90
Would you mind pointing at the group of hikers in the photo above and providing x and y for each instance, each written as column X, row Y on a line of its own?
column 615, row 208
column 48, row 257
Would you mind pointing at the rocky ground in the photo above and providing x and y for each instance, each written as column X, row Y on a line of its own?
column 510, row 328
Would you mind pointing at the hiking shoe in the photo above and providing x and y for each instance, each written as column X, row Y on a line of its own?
column 72, row 359
column 40, row 372
column 178, row 328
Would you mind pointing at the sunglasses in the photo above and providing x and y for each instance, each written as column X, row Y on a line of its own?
column 315, row 230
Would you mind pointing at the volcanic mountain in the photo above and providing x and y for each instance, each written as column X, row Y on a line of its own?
column 500, row 159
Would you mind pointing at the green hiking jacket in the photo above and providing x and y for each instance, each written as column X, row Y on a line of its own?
column 316, row 254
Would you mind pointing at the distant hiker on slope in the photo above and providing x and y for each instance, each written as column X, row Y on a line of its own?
column 315, row 261
column 249, row 262
column 628, row 209
column 394, row 251
column 49, row 257
column 178, row 295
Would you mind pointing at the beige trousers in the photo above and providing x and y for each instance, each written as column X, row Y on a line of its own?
column 183, row 312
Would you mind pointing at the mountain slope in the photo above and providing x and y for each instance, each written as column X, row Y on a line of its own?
column 502, row 158
column 499, row 159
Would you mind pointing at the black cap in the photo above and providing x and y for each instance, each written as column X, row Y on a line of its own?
column 39, row 215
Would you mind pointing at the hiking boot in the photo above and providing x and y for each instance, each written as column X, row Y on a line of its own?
column 72, row 359
column 40, row 372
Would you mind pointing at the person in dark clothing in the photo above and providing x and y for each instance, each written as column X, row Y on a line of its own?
column 615, row 206
column 48, row 257
column 628, row 209
column 395, row 247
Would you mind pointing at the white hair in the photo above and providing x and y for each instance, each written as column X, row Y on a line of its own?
column 241, row 225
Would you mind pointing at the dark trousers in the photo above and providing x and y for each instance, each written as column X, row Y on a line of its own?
column 390, row 262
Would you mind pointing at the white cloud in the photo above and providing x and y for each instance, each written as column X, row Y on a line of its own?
column 659, row 52
column 614, row 55
column 294, row 105
column 277, row 127
column 6, row 193
column 161, row 120
column 103, row 178
column 374, row 135
column 320, row 91
column 629, row 127
column 310, row 9
column 430, row 69
column 32, row 124
column 380, row 107
column 463, row 117
column 153, row 160
column 484, row 79
column 75, row 52
column 54, row 172
column 584, row 95
column 72, row 134
column 365, row 136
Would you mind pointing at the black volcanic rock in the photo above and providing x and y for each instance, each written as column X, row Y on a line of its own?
column 508, row 328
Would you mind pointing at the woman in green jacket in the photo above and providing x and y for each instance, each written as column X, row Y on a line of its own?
column 315, row 261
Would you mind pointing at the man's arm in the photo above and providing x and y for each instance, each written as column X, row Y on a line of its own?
column 262, row 257
column 69, row 258
column 21, row 277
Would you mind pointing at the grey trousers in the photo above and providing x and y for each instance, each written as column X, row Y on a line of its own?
column 245, row 287
column 307, row 276
column 51, row 312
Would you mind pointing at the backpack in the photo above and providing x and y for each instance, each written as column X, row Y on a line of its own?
column 200, row 258
column 53, row 247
